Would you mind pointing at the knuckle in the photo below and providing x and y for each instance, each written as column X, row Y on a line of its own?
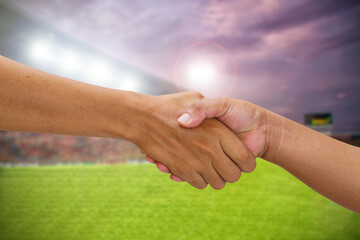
column 181, row 170
column 196, row 94
column 212, row 154
column 245, row 161
column 223, row 104
column 243, row 154
column 196, row 106
column 224, row 101
column 201, row 165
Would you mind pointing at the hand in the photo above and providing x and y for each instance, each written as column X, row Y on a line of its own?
column 248, row 121
column 209, row 153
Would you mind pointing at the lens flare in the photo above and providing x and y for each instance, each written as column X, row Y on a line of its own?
column 200, row 74
column 99, row 72
column 129, row 82
column 206, row 67
column 41, row 50
column 69, row 61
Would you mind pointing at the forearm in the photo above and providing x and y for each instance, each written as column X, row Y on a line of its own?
column 35, row 101
column 330, row 167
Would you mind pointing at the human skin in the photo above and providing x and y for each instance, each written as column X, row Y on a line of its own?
column 330, row 167
column 35, row 101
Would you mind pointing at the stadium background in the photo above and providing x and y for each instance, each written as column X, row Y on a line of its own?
column 49, row 191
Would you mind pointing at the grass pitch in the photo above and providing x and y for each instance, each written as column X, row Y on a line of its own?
column 138, row 202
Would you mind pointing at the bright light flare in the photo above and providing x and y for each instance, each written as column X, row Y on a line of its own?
column 201, row 74
column 206, row 67
column 99, row 72
column 69, row 61
column 41, row 50
column 129, row 82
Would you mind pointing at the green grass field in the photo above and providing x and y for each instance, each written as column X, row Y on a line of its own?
column 138, row 202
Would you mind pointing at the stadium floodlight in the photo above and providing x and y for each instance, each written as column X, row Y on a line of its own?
column 200, row 74
column 69, row 61
column 99, row 72
column 41, row 50
column 129, row 82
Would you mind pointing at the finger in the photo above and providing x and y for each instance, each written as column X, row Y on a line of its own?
column 162, row 167
column 202, row 109
column 176, row 178
column 238, row 152
column 159, row 165
column 197, row 181
column 213, row 179
column 227, row 168
column 149, row 159
column 186, row 173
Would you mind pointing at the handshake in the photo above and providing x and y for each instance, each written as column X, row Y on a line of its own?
column 198, row 140
column 202, row 141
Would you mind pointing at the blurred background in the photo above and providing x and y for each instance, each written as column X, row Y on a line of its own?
column 299, row 59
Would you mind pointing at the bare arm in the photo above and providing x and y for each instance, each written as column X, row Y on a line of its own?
column 328, row 166
column 35, row 101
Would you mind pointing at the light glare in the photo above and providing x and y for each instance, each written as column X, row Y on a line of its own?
column 99, row 72
column 200, row 74
column 129, row 82
column 40, row 50
column 70, row 61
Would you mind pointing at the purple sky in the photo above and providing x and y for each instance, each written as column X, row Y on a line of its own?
column 292, row 57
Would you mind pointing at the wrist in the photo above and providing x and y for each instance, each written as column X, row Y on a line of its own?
column 274, row 135
column 125, row 114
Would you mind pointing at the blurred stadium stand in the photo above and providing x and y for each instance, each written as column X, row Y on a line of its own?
column 18, row 32
column 350, row 138
column 19, row 148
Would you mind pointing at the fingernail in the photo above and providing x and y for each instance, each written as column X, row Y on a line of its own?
column 176, row 178
column 185, row 118
column 162, row 167
column 149, row 159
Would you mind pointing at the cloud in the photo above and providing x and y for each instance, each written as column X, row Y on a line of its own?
column 296, row 15
column 348, row 37
column 328, row 25
column 293, row 56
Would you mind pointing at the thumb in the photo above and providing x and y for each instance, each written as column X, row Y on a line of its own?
column 205, row 108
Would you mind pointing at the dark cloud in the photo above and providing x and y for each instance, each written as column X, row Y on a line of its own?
column 349, row 37
column 238, row 41
column 307, row 11
column 340, row 30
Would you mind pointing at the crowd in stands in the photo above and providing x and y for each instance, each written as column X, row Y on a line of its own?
column 18, row 148
column 47, row 149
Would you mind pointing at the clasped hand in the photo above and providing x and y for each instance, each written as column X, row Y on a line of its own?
column 203, row 141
